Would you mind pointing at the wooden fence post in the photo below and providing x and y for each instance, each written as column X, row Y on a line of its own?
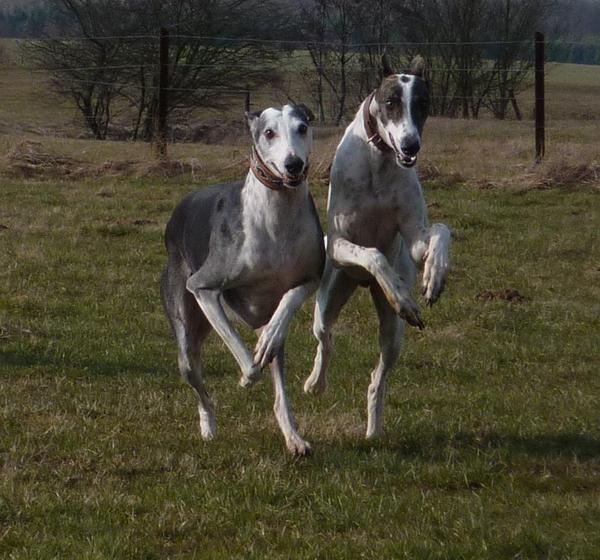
column 160, row 131
column 540, row 133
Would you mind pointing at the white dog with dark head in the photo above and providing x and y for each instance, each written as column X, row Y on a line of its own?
column 251, row 249
column 378, row 235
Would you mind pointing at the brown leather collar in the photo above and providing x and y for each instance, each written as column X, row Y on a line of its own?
column 370, row 123
column 268, row 178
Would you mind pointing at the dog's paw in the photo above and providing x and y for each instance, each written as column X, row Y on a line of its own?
column 208, row 426
column 403, row 304
column 250, row 376
column 298, row 447
column 435, row 269
column 435, row 273
column 315, row 384
column 394, row 288
column 269, row 342
column 374, row 431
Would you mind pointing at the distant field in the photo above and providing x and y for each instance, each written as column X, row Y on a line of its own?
column 492, row 447
column 574, row 75
column 29, row 105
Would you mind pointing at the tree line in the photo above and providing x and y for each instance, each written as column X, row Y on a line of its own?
column 103, row 54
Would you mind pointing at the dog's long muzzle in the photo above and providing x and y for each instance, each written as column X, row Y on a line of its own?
column 402, row 159
column 296, row 171
column 276, row 180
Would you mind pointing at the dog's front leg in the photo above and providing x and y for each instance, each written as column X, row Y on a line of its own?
column 345, row 253
column 430, row 249
column 209, row 302
column 274, row 333
column 295, row 444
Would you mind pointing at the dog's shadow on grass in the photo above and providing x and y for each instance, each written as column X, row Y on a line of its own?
column 438, row 446
column 37, row 358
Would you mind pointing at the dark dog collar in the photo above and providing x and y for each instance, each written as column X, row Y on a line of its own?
column 268, row 178
column 370, row 123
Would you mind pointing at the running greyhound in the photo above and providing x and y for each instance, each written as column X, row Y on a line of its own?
column 252, row 250
column 377, row 227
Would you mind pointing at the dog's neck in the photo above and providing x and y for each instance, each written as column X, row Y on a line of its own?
column 273, row 210
column 371, row 126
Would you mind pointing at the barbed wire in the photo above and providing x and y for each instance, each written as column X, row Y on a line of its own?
column 498, row 70
column 88, row 38
column 242, row 90
column 304, row 42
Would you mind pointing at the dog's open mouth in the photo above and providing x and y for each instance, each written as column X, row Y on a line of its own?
column 401, row 158
column 405, row 161
column 292, row 180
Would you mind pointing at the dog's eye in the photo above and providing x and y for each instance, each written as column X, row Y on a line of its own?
column 302, row 129
column 269, row 134
column 389, row 102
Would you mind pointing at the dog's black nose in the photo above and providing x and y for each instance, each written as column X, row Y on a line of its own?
column 410, row 146
column 293, row 165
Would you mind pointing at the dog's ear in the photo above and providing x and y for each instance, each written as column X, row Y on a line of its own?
column 386, row 66
column 252, row 119
column 418, row 66
column 310, row 116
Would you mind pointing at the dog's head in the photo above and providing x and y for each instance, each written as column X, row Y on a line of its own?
column 283, row 139
column 402, row 108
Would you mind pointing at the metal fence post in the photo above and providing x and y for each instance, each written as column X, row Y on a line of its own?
column 540, row 133
column 160, row 132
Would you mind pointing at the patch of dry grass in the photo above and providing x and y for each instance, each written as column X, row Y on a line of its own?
column 492, row 447
column 482, row 154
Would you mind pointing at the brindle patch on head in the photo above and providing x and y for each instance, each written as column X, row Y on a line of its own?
column 419, row 103
column 302, row 113
column 389, row 98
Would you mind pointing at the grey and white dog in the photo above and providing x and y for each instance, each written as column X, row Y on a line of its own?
column 252, row 250
column 378, row 233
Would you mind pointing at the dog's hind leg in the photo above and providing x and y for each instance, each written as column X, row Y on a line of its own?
column 295, row 444
column 190, row 327
column 336, row 287
column 391, row 328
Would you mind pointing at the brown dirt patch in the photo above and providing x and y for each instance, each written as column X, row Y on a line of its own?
column 12, row 332
column 429, row 172
column 509, row 295
column 31, row 159
column 568, row 175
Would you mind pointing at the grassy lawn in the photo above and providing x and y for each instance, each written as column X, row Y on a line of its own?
column 493, row 426
column 492, row 445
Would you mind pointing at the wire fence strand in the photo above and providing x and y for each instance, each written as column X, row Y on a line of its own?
column 284, row 41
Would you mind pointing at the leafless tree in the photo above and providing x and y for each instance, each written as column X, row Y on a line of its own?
column 381, row 23
column 81, row 63
column 113, row 63
column 511, row 61
column 210, row 61
column 329, row 27
column 479, row 51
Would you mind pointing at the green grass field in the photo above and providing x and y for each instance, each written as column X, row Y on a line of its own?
column 492, row 445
